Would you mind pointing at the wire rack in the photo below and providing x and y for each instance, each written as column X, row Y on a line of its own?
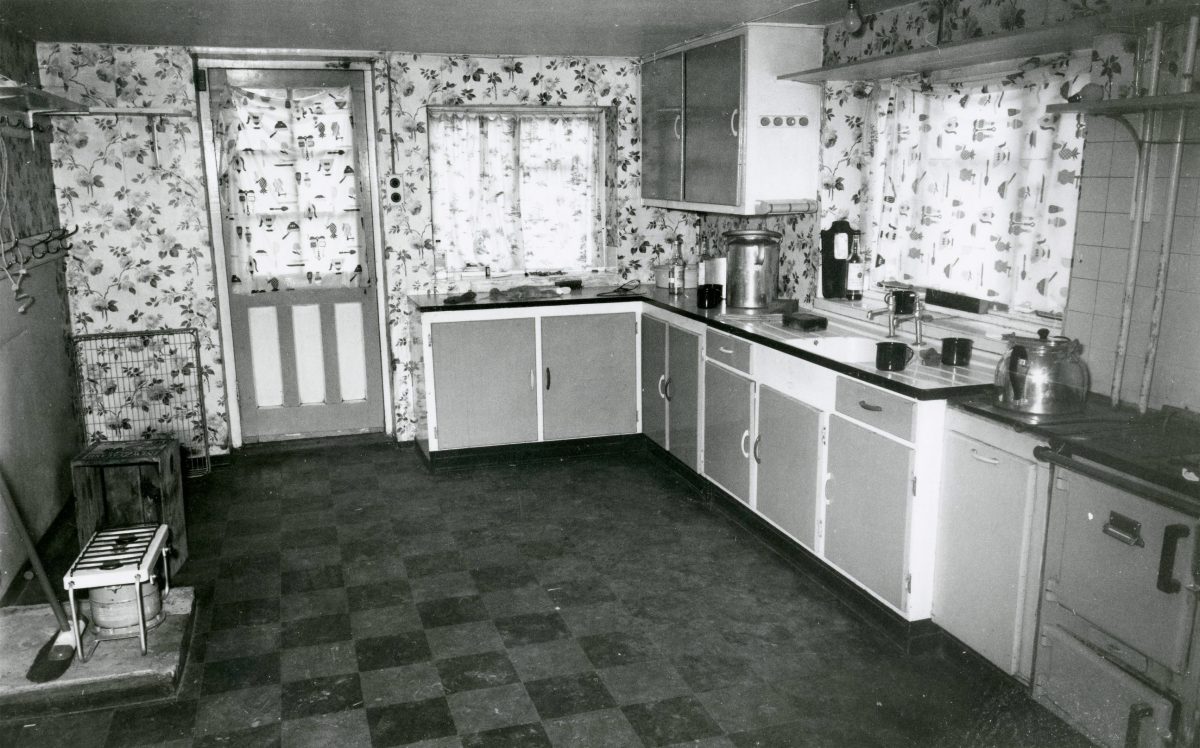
column 137, row 385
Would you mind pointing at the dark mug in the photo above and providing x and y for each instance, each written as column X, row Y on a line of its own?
column 708, row 295
column 956, row 351
column 901, row 302
column 892, row 356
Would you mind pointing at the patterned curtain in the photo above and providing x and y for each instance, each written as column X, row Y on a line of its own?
column 517, row 191
column 289, row 202
column 974, row 187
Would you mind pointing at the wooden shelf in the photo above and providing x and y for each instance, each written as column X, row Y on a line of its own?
column 1132, row 105
column 1079, row 33
column 27, row 100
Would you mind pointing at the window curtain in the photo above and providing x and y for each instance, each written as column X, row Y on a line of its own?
column 974, row 186
column 289, row 203
column 516, row 191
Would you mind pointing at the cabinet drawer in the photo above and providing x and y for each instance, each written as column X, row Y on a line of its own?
column 728, row 350
column 873, row 406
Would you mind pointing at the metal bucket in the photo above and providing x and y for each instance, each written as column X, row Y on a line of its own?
column 114, row 610
column 752, row 270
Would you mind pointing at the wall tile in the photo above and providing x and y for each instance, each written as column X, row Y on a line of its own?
column 1093, row 192
column 1109, row 297
column 1120, row 195
column 1117, row 230
column 1078, row 325
column 1097, row 156
column 1089, row 229
column 1086, row 262
column 1124, row 159
column 1083, row 295
column 1114, row 264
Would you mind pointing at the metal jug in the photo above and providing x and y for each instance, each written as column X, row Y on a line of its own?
column 1042, row 375
column 752, row 267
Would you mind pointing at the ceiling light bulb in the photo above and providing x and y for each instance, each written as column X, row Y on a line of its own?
column 852, row 20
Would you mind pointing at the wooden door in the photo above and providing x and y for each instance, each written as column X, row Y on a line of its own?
column 589, row 375
column 662, row 128
column 654, row 380
column 727, row 412
column 866, row 513
column 293, row 164
column 786, row 452
column 712, row 122
column 683, row 394
column 484, row 382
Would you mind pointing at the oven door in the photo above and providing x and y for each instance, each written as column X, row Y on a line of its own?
column 1125, row 564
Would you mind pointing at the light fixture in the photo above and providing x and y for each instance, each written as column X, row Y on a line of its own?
column 852, row 19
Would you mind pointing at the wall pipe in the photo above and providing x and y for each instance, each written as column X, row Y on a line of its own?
column 1164, row 257
column 1141, row 193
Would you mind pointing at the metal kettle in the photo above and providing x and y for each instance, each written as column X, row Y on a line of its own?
column 1042, row 375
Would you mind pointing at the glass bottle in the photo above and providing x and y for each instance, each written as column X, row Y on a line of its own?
column 675, row 281
column 856, row 279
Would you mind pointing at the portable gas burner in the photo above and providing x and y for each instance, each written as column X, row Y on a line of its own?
column 120, row 557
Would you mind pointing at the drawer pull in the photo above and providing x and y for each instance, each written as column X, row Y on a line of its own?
column 757, row 444
column 868, row 406
column 746, row 444
column 981, row 458
column 1129, row 532
column 675, row 127
column 661, row 379
column 1133, row 726
column 726, row 351
column 547, row 377
column 667, row 391
column 1172, row 534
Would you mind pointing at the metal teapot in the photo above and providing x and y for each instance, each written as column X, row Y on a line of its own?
column 1042, row 375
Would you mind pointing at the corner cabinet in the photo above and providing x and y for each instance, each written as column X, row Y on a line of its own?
column 721, row 132
column 671, row 388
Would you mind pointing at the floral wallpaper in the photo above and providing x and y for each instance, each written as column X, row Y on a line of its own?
column 142, row 259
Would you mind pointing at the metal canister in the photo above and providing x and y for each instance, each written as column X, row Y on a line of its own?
column 752, row 270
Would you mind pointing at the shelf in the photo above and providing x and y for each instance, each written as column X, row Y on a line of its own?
column 30, row 101
column 1078, row 33
column 1131, row 105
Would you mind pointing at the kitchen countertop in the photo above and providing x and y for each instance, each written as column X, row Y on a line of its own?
column 918, row 381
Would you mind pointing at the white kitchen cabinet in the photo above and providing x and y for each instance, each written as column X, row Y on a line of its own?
column 867, row 496
column 589, row 375
column 991, row 525
column 787, row 453
column 671, row 388
column 728, row 410
column 720, row 132
column 654, row 380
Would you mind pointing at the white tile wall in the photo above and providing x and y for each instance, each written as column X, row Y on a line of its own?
column 1101, row 257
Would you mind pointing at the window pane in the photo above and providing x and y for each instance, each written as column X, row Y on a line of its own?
column 559, row 209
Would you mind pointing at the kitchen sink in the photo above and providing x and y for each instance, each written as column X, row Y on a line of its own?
column 845, row 348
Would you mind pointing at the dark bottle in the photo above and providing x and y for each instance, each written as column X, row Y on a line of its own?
column 835, row 256
column 856, row 279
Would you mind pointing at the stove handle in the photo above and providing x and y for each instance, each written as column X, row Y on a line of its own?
column 1172, row 534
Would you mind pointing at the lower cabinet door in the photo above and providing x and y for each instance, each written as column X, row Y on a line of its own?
column 484, row 388
column 654, row 380
column 683, row 394
column 728, row 398
column 786, row 452
column 866, row 512
column 589, row 375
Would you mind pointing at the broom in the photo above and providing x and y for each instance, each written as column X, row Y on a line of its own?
column 55, row 656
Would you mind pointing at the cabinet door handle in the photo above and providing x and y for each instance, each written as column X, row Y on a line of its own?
column 675, row 126
column 746, row 444
column 868, row 406
column 1172, row 534
column 757, row 444
column 981, row 458
column 733, row 122
column 662, row 378
column 667, row 392
column 726, row 351
column 532, row 380
column 547, row 377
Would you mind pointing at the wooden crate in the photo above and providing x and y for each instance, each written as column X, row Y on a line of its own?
column 131, row 483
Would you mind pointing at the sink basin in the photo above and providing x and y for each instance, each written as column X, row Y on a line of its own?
column 845, row 348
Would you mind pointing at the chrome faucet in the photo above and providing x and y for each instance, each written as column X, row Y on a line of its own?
column 895, row 320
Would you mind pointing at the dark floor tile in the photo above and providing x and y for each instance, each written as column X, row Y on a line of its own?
column 651, row 680
column 347, row 729
column 482, row 670
column 505, row 603
column 334, row 693
column 318, row 660
column 378, row 595
column 617, row 648
column 572, row 592
column 569, row 694
column 531, row 628
column 261, row 736
column 313, row 604
column 254, row 525
column 671, row 721
column 485, row 709
column 305, row 632
column 540, row 550
column 409, row 722
column 493, row 578
column 228, row 643
column 437, row 586
column 245, row 613
column 449, row 611
column 709, row 671
column 546, row 659
column 306, row 580
column 751, row 707
column 600, row 618
column 607, row 728
column 381, row 652
column 393, row 685
column 384, row 621
column 234, row 711
column 438, row 562
column 463, row 639
column 241, row 672
column 517, row 736
column 152, row 723
column 309, row 537
column 81, row 730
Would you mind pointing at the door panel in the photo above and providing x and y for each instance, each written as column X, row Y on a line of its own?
column 662, row 128
column 654, row 375
column 683, row 373
column 484, row 381
column 305, row 328
column 593, row 394
column 712, row 118
column 789, row 438
column 866, row 514
column 727, row 402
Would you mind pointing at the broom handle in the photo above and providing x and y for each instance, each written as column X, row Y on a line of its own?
column 34, row 560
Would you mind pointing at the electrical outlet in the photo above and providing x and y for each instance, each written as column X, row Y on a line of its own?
column 394, row 183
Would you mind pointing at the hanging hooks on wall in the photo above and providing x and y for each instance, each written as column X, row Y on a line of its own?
column 28, row 252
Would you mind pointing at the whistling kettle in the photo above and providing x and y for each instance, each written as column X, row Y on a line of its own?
column 1042, row 375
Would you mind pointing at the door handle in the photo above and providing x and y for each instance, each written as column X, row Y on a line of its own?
column 547, row 377
column 733, row 122
column 667, row 391
column 661, row 379
column 675, row 126
column 868, row 406
column 746, row 444
column 1133, row 726
column 981, row 458
column 532, row 380
column 757, row 444
column 1172, row 534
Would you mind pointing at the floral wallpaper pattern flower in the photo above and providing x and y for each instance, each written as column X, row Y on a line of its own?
column 142, row 259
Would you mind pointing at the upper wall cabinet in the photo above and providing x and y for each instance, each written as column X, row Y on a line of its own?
column 721, row 133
